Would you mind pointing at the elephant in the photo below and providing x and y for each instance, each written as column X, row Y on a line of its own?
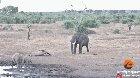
column 80, row 39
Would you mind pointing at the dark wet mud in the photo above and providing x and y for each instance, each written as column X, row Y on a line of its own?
column 38, row 71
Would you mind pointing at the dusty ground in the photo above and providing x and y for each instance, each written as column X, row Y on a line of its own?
column 107, row 50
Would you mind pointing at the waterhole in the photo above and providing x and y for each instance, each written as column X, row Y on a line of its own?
column 36, row 71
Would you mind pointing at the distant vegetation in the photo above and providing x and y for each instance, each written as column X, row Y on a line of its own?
column 116, row 31
column 90, row 18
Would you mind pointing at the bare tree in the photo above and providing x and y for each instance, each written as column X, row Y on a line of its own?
column 130, row 26
column 29, row 29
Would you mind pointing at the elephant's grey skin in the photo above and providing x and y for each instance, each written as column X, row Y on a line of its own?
column 80, row 39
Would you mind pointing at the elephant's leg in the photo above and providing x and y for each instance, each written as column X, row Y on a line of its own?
column 87, row 48
column 75, row 45
column 72, row 48
column 80, row 48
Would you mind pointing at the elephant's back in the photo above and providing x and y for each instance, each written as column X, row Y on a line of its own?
column 83, row 38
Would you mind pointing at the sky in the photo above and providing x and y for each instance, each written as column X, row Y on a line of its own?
column 61, row 5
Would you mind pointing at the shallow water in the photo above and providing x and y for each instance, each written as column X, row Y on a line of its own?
column 5, row 72
column 36, row 71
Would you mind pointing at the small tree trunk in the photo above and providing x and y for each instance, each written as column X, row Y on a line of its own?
column 129, row 28
column 29, row 29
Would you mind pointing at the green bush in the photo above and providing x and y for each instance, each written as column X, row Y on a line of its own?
column 117, row 18
column 137, row 22
column 48, row 31
column 81, row 29
column 10, row 15
column 132, row 16
column 8, row 27
column 91, row 23
column 124, row 21
column 116, row 31
column 127, row 20
column 69, row 24
column 104, row 19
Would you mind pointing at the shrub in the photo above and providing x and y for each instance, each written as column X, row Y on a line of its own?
column 48, row 31
column 104, row 19
column 124, row 21
column 91, row 23
column 127, row 20
column 84, row 30
column 116, row 31
column 8, row 27
column 90, row 32
column 131, row 16
column 117, row 18
column 137, row 22
column 81, row 29
column 43, row 22
column 69, row 24
column 20, row 30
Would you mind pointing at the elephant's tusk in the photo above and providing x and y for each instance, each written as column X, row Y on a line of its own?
column 74, row 42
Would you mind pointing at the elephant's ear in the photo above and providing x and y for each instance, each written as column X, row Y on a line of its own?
column 73, row 39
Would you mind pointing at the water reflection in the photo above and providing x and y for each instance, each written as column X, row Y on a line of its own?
column 36, row 71
column 2, row 71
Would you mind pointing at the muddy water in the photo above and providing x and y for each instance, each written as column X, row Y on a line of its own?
column 5, row 72
column 36, row 71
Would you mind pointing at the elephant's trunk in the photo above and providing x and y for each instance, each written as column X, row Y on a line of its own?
column 71, row 47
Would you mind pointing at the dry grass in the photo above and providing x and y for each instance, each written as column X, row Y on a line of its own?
column 107, row 50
